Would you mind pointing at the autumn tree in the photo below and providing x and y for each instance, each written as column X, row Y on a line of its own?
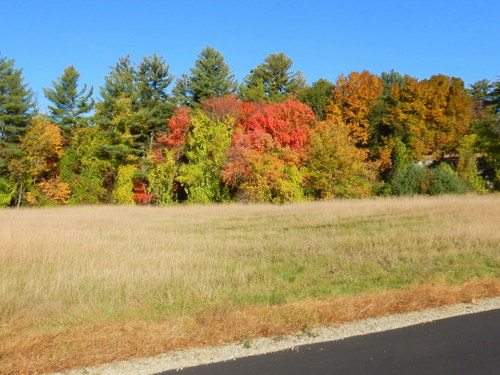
column 448, row 113
column 266, row 159
column 123, row 192
column 204, row 153
column 70, row 105
column 210, row 76
column 272, row 80
column 222, row 107
column 42, row 146
column 337, row 168
column 405, row 120
column 161, row 177
column 352, row 98
column 177, row 127
column 84, row 169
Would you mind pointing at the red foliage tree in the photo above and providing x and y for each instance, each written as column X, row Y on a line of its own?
column 268, row 151
column 218, row 108
column 140, row 193
column 287, row 122
column 178, row 126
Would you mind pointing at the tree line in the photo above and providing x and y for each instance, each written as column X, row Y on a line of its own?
column 204, row 137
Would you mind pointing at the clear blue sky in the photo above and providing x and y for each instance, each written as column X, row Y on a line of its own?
column 324, row 38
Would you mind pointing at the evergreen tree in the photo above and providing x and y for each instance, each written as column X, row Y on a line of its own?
column 152, row 81
column 181, row 91
column 480, row 92
column 70, row 104
column 16, row 103
column 317, row 97
column 379, row 109
column 210, row 76
column 118, row 84
column 136, row 94
column 487, row 125
column 272, row 79
column 16, row 110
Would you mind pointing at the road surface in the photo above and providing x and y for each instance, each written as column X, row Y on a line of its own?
column 467, row 344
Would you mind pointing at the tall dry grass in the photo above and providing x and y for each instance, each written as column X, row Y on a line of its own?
column 95, row 264
column 84, row 285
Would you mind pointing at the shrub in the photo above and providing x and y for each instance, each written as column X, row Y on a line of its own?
column 409, row 181
column 444, row 180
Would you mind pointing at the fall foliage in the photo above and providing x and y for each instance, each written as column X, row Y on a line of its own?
column 265, row 161
column 352, row 97
column 271, row 139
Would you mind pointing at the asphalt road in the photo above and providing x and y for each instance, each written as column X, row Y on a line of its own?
column 468, row 345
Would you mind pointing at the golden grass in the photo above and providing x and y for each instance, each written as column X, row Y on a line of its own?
column 77, row 280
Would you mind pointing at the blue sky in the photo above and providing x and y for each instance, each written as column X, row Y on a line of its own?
column 324, row 38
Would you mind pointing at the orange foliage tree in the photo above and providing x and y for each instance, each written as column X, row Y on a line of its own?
column 449, row 112
column 352, row 97
column 429, row 116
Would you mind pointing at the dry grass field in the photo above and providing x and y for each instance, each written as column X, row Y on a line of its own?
column 84, row 285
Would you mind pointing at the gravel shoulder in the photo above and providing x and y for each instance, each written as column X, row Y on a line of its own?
column 195, row 357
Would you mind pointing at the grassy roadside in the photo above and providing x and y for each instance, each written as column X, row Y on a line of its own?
column 77, row 281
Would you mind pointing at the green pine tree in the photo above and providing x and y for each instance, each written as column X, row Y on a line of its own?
column 16, row 111
column 275, row 79
column 136, row 94
column 16, row 102
column 118, row 84
column 70, row 104
column 152, row 81
column 210, row 76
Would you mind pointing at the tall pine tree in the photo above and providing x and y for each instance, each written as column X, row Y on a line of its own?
column 70, row 104
column 272, row 80
column 16, row 110
column 16, row 102
column 142, row 89
column 152, row 81
column 210, row 76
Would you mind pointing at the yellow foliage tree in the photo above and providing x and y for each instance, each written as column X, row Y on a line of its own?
column 337, row 168
column 124, row 186
column 42, row 145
